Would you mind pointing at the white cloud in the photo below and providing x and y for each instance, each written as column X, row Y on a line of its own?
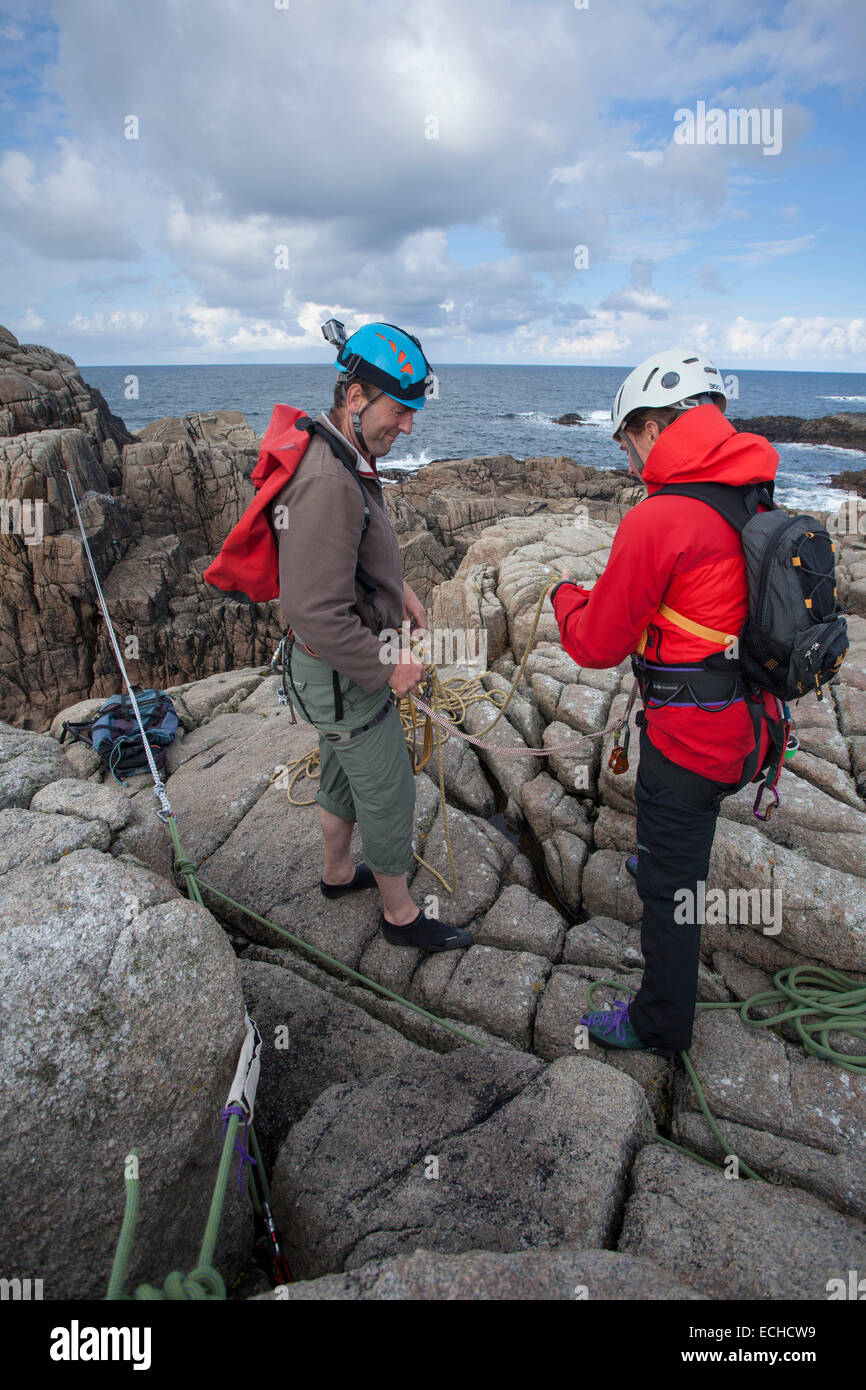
column 793, row 338
column 62, row 210
column 638, row 296
column 121, row 323
column 761, row 252
column 31, row 322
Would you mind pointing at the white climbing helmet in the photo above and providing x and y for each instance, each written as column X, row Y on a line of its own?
column 678, row 377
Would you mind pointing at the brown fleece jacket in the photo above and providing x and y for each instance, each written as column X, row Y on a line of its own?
column 318, row 551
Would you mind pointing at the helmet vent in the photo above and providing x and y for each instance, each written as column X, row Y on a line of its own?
column 649, row 378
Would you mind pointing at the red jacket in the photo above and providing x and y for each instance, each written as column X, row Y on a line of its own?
column 681, row 553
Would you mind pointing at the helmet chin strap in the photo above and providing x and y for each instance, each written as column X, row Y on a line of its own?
column 359, row 434
column 356, row 424
column 633, row 455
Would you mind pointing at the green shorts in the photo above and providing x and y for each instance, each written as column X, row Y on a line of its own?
column 369, row 778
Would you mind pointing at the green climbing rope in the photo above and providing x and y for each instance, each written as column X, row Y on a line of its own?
column 188, row 869
column 203, row 1282
column 819, row 1001
column 117, row 1278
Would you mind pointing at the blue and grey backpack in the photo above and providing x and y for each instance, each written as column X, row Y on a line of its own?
column 116, row 737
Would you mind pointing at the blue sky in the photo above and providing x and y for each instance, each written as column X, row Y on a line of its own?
column 436, row 165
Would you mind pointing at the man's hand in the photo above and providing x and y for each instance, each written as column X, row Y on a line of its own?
column 408, row 675
column 413, row 608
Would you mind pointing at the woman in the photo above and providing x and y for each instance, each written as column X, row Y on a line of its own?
column 675, row 592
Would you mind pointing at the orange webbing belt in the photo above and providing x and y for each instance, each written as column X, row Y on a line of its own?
column 711, row 634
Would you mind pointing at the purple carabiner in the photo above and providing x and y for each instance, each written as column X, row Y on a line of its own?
column 766, row 814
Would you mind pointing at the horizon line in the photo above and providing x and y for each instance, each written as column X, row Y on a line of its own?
column 540, row 366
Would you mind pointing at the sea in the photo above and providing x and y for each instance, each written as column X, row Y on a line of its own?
column 491, row 410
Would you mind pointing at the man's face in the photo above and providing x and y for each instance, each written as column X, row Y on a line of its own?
column 382, row 421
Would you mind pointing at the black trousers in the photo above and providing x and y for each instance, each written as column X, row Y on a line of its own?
column 676, row 824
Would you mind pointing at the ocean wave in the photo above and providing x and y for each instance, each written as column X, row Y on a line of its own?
column 799, row 498
column 601, row 419
column 410, row 463
column 843, row 398
column 825, row 449
column 598, row 418
column 534, row 417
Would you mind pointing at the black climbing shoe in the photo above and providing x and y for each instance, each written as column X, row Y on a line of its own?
column 631, row 865
column 363, row 879
column 426, row 934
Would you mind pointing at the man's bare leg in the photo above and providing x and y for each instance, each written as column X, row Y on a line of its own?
column 337, row 835
column 397, row 905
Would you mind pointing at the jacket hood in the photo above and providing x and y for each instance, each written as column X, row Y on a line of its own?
column 702, row 446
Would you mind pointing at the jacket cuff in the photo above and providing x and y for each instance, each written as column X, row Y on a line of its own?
column 556, row 588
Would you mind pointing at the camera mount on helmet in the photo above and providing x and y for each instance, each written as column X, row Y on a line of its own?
column 335, row 332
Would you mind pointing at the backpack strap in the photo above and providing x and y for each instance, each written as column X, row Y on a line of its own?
column 711, row 634
column 341, row 451
column 737, row 504
column 363, row 576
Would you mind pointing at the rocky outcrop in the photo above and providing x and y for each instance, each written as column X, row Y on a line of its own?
column 44, row 390
column 852, row 482
column 211, row 427
column 350, row 1185
column 108, row 1049
column 732, row 1240
column 405, row 1154
column 155, row 509
column 846, row 430
column 566, row 1272
column 461, row 498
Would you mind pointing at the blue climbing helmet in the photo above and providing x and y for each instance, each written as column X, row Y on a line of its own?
column 385, row 356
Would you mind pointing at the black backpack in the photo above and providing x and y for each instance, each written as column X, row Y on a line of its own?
column 116, row 737
column 794, row 639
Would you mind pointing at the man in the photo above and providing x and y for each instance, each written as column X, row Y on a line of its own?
column 673, row 594
column 341, row 584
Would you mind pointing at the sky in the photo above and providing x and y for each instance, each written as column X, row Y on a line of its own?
column 516, row 181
